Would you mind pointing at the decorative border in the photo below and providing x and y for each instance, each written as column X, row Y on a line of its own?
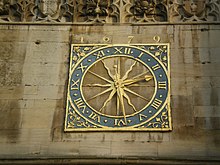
column 111, row 11
column 160, row 122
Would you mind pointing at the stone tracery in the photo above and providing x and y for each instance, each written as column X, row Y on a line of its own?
column 110, row 11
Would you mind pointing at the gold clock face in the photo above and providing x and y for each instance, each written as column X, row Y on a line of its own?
column 118, row 88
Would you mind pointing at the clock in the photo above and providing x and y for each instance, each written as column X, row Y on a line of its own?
column 118, row 88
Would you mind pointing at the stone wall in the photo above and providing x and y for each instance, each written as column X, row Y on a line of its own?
column 34, row 62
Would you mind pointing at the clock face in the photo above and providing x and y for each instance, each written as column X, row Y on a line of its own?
column 118, row 87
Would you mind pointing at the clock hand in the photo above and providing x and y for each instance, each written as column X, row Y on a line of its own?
column 99, row 94
column 118, row 106
column 140, row 85
column 103, row 78
column 120, row 95
column 134, row 93
column 129, row 101
column 108, row 70
column 119, row 67
column 109, row 98
column 117, row 75
column 131, row 81
column 139, row 75
column 97, row 85
column 129, row 70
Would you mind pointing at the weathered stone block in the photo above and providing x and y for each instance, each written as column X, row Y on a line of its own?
column 93, row 148
column 176, row 56
column 10, row 135
column 30, row 90
column 14, row 35
column 28, row 150
column 214, row 38
column 207, row 123
column 37, row 118
column 13, row 52
column 207, row 111
column 189, row 70
column 62, row 149
column 45, row 74
column 182, row 150
column 11, row 73
column 180, row 87
column 134, row 149
column 48, row 52
column 182, row 111
column 215, row 81
column 192, row 36
column 34, row 135
column 214, row 55
column 11, row 92
column 10, row 114
column 188, row 55
column 204, row 55
column 199, row 82
column 206, row 96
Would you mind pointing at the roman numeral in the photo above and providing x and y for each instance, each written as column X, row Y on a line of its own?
column 162, row 85
column 156, row 104
column 141, row 117
column 99, row 54
column 155, row 67
column 75, row 85
column 94, row 117
column 82, row 67
column 80, row 104
column 118, row 50
column 122, row 50
column 120, row 122
column 127, row 51
column 141, row 54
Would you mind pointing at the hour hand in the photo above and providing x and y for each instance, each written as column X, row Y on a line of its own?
column 97, row 85
column 131, row 81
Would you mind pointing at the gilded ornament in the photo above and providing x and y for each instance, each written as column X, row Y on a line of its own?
column 119, row 88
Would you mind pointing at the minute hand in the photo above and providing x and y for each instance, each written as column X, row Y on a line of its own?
column 131, row 81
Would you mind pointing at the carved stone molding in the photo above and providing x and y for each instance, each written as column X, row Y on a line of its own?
column 110, row 11
column 54, row 11
column 149, row 11
column 194, row 10
column 97, row 11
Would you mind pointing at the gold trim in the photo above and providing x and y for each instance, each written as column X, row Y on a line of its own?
column 132, row 113
column 131, row 128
